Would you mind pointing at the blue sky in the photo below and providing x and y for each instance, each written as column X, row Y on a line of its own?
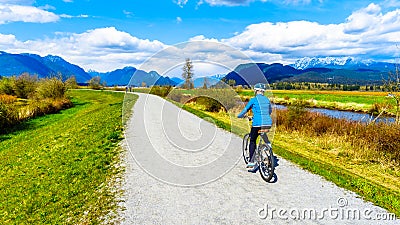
column 106, row 35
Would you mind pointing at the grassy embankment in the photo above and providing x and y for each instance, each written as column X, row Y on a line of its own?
column 59, row 168
column 372, row 171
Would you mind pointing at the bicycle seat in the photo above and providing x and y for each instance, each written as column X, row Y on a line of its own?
column 264, row 129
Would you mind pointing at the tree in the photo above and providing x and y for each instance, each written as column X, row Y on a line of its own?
column 7, row 85
column 71, row 83
column 231, row 82
column 205, row 83
column 94, row 83
column 188, row 74
column 25, row 85
column 392, row 85
column 52, row 88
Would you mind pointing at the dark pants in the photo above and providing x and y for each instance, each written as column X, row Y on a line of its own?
column 253, row 138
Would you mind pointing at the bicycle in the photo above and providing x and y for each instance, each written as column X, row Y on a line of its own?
column 263, row 153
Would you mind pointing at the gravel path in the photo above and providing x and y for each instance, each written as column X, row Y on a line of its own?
column 183, row 170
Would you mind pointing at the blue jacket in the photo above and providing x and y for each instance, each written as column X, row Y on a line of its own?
column 261, row 108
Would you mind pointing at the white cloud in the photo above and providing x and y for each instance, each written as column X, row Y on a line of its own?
column 363, row 19
column 178, row 20
column 228, row 2
column 47, row 7
column 209, row 58
column 391, row 3
column 17, row 2
column 180, row 3
column 367, row 31
column 103, row 49
column 202, row 38
column 295, row 2
column 14, row 13
column 247, row 2
column 128, row 13
column 285, row 37
column 111, row 38
column 7, row 40
column 107, row 48
column 70, row 16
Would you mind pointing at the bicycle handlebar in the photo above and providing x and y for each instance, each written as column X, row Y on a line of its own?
column 250, row 118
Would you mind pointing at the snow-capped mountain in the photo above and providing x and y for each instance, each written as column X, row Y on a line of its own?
column 218, row 76
column 313, row 62
column 346, row 62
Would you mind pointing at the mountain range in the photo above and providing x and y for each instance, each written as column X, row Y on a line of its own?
column 344, row 70
column 134, row 77
column 16, row 64
column 347, row 63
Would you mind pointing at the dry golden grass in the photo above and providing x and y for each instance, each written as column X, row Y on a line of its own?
column 337, row 152
column 7, row 99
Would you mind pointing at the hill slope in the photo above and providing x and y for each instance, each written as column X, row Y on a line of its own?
column 16, row 64
column 134, row 77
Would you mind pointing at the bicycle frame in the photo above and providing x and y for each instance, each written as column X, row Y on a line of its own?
column 264, row 137
column 263, row 153
column 263, row 140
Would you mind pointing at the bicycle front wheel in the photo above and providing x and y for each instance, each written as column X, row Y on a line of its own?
column 245, row 148
column 266, row 162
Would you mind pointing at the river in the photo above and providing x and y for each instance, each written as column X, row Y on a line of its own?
column 353, row 116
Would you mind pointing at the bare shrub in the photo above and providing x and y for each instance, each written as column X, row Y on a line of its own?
column 71, row 83
column 25, row 85
column 161, row 91
column 377, row 138
column 95, row 83
column 8, row 116
column 224, row 96
column 210, row 104
column 7, row 99
column 45, row 106
column 52, row 88
column 46, row 96
column 178, row 96
column 7, row 85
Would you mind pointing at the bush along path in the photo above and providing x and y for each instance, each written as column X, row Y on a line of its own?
column 60, row 168
column 26, row 97
column 175, row 175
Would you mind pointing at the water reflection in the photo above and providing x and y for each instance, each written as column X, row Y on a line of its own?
column 354, row 116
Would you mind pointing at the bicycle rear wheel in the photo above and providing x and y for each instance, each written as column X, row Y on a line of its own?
column 266, row 162
column 245, row 148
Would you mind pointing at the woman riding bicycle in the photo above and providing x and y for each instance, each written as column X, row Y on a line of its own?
column 261, row 107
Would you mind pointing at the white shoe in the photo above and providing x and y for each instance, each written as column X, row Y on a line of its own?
column 250, row 165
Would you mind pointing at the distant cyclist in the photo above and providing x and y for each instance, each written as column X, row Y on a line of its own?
column 261, row 107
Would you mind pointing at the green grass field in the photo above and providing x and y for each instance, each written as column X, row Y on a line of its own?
column 59, row 168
